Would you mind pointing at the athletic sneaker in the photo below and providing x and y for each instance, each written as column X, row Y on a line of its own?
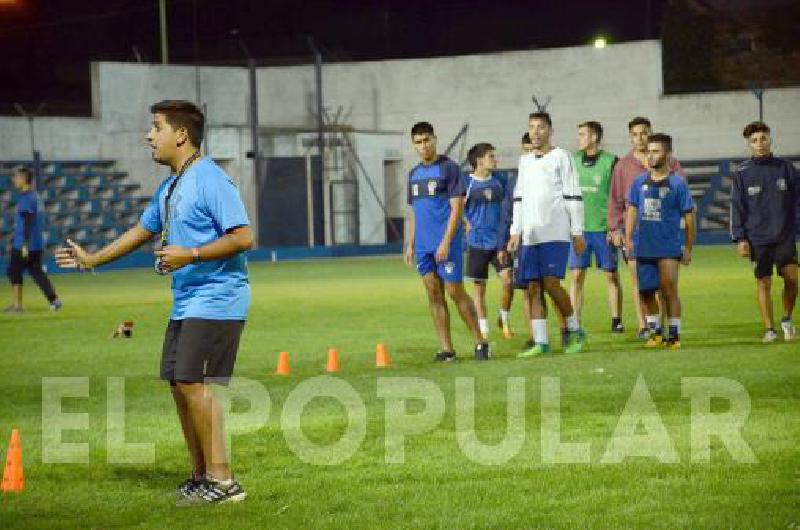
column 445, row 357
column 13, row 309
column 576, row 341
column 530, row 343
column 188, row 487
column 769, row 336
column 673, row 343
column 617, row 327
column 535, row 351
column 643, row 334
column 56, row 305
column 214, row 492
column 655, row 340
column 482, row 352
column 789, row 331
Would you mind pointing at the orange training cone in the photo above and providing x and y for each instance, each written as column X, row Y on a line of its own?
column 382, row 359
column 13, row 478
column 333, row 360
column 283, row 364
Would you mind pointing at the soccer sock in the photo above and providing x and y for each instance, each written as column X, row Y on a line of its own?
column 653, row 322
column 674, row 328
column 483, row 324
column 572, row 323
column 540, row 331
column 504, row 316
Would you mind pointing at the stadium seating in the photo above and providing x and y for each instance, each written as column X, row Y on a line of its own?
column 85, row 200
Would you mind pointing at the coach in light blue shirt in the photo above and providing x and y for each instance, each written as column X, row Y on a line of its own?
column 204, row 232
column 205, row 205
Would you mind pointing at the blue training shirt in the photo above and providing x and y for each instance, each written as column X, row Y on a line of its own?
column 27, row 207
column 660, row 208
column 430, row 188
column 485, row 211
column 204, row 205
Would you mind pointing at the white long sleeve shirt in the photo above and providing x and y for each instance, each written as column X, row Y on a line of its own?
column 547, row 199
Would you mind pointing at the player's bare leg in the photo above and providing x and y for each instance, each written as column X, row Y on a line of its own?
column 189, row 433
column 789, row 274
column 206, row 415
column 764, row 296
column 637, row 301
column 507, row 296
column 576, row 290
column 668, row 273
column 614, row 296
column 480, row 308
column 434, row 287
column 466, row 308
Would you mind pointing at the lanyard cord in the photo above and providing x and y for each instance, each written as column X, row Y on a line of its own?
column 181, row 171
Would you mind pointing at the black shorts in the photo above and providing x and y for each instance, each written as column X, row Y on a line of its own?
column 197, row 348
column 478, row 261
column 776, row 255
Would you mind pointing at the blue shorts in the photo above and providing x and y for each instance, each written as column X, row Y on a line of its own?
column 648, row 275
column 543, row 259
column 605, row 254
column 450, row 271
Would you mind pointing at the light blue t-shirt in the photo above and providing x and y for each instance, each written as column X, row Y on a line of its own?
column 204, row 205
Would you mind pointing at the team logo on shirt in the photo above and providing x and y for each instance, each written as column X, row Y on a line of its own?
column 598, row 179
column 663, row 192
column 782, row 184
column 432, row 187
column 652, row 209
column 449, row 267
column 487, row 193
column 753, row 190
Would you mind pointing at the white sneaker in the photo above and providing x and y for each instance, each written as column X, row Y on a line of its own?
column 789, row 331
column 769, row 336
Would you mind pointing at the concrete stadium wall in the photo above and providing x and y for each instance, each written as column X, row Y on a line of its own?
column 490, row 92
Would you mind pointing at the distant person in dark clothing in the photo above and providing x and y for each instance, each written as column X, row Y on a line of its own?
column 26, row 250
column 765, row 218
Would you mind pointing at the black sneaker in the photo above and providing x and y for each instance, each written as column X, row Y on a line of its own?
column 214, row 492
column 530, row 344
column 617, row 327
column 445, row 357
column 188, row 487
column 482, row 352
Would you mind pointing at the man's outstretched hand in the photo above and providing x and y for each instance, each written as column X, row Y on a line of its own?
column 73, row 256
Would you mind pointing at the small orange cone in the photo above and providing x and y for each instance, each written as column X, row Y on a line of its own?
column 283, row 364
column 333, row 360
column 13, row 478
column 382, row 359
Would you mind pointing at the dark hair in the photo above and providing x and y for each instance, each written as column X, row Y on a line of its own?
column 754, row 127
column 639, row 120
column 544, row 116
column 661, row 138
column 526, row 138
column 478, row 151
column 22, row 170
column 422, row 127
column 182, row 114
column 595, row 127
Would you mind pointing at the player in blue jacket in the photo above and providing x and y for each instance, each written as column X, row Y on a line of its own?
column 765, row 219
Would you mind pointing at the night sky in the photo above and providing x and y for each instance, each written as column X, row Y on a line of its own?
column 47, row 44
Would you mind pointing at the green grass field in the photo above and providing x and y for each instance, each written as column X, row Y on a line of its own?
column 305, row 308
